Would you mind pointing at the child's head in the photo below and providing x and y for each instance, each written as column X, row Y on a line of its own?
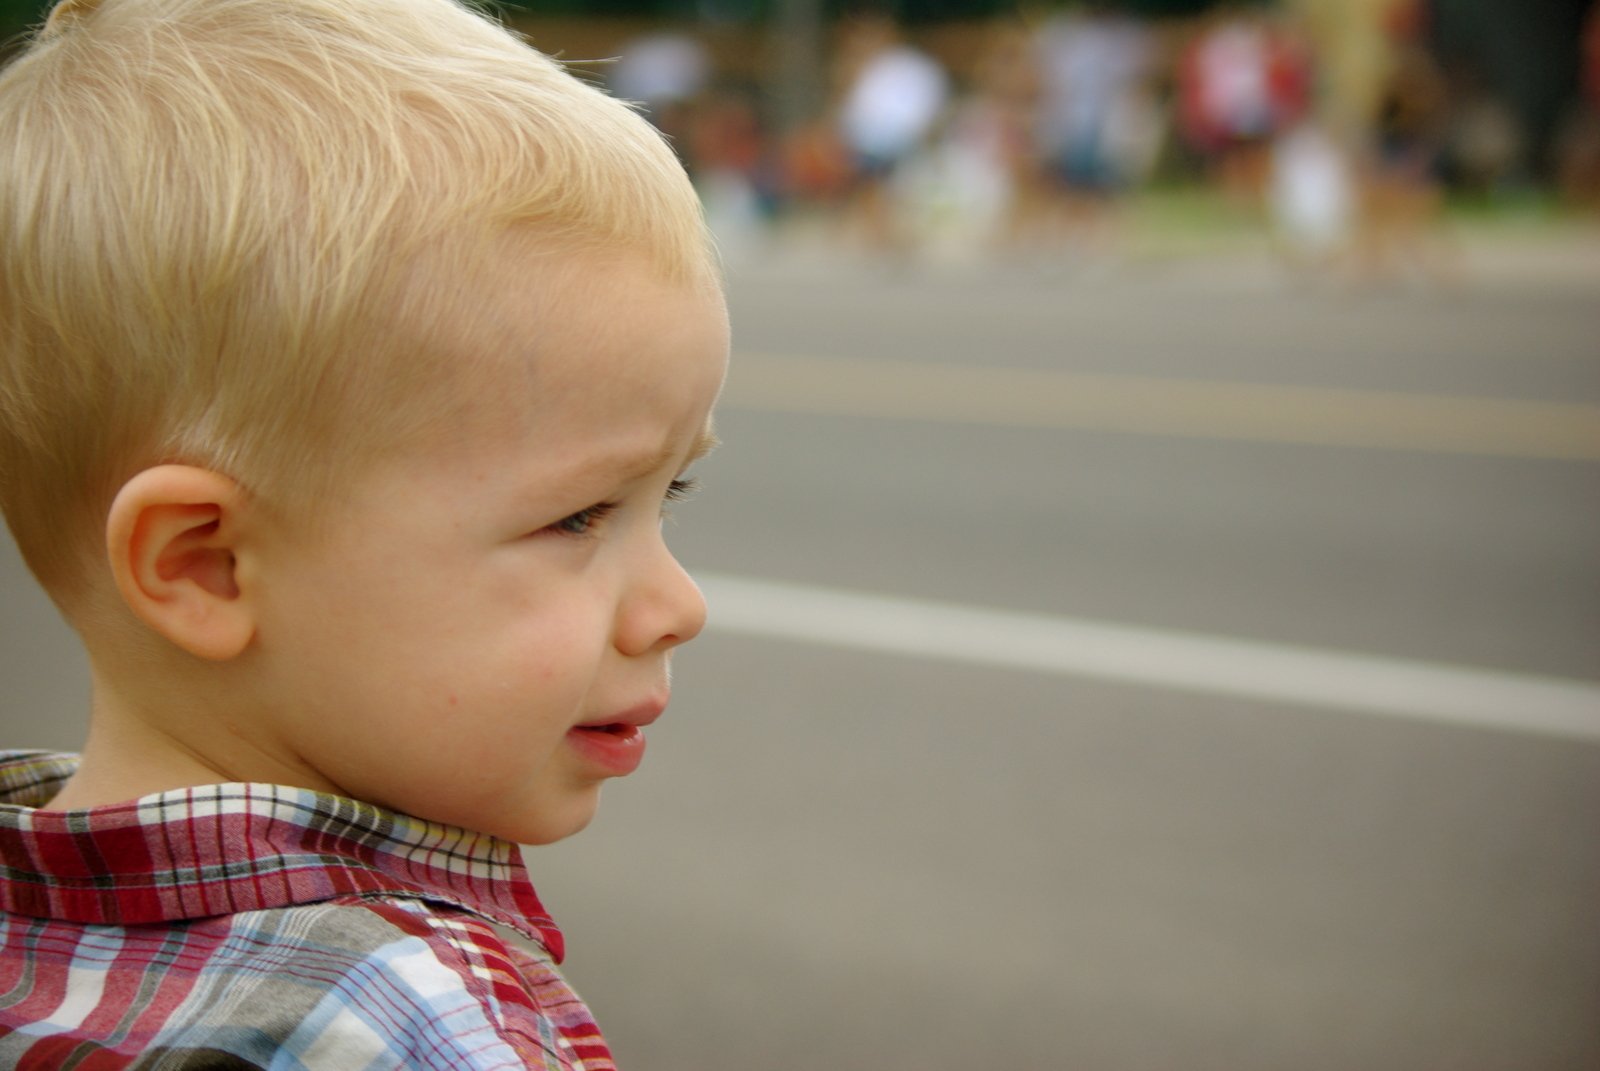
column 224, row 225
column 347, row 351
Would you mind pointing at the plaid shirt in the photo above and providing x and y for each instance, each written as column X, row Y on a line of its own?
column 257, row 926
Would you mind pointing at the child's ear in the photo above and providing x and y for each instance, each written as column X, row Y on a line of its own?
column 172, row 539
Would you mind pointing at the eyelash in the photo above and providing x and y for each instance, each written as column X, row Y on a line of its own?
column 683, row 489
column 585, row 521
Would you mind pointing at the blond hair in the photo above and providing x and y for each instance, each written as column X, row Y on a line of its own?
column 210, row 216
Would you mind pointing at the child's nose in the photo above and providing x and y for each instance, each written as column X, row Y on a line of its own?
column 664, row 608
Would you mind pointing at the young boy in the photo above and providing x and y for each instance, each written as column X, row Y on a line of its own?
column 348, row 350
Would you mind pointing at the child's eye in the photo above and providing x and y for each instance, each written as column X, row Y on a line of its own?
column 585, row 521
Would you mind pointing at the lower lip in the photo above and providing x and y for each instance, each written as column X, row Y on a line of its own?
column 619, row 753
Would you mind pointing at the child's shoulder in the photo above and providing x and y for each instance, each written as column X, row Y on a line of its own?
column 359, row 981
column 220, row 925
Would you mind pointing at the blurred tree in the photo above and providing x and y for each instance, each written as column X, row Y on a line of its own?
column 1524, row 51
column 18, row 15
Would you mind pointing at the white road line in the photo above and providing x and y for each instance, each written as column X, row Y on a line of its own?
column 1148, row 405
column 1157, row 658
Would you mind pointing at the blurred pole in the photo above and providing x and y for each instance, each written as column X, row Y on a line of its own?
column 797, row 41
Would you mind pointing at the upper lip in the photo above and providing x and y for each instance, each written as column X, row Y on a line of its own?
column 639, row 714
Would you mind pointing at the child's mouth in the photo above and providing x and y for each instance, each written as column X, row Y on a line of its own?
column 617, row 748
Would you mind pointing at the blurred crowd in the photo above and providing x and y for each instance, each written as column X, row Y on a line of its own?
column 1030, row 133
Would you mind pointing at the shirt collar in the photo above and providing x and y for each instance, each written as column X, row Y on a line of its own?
column 214, row 850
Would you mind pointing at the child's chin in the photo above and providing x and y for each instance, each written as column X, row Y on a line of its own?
column 548, row 829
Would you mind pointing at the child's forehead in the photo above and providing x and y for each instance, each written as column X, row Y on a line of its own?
column 593, row 343
column 505, row 292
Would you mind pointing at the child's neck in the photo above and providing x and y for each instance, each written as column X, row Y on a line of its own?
column 128, row 756
column 119, row 765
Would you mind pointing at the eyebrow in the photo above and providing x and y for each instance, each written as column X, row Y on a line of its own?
column 634, row 465
column 705, row 442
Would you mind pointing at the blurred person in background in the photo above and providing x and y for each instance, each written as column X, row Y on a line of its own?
column 711, row 124
column 892, row 96
column 959, row 198
column 1356, row 183
column 1484, row 140
column 1241, row 81
column 994, row 126
column 813, row 171
column 1313, row 199
column 665, row 74
column 1402, row 195
column 1096, row 124
column 730, row 158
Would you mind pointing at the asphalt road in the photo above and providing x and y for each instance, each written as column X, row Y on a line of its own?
column 845, row 856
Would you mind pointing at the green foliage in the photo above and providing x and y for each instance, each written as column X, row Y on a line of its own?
column 22, row 12
column 17, row 16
